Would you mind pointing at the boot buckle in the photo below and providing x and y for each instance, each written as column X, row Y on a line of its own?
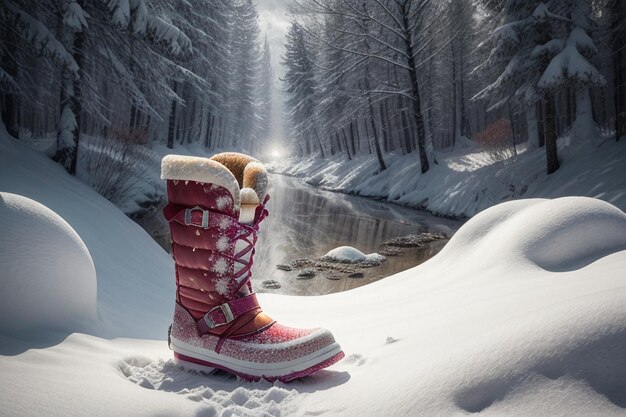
column 226, row 311
column 205, row 217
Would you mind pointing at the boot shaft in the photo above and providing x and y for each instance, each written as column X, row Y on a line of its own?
column 212, row 249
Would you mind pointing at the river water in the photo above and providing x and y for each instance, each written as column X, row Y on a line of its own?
column 306, row 222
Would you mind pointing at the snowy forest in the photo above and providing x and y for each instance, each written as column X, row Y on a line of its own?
column 135, row 71
column 413, row 76
column 446, row 233
column 358, row 77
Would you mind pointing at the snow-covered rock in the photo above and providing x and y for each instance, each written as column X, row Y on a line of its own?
column 48, row 277
column 349, row 254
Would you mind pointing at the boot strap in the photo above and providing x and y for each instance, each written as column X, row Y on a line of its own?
column 226, row 313
column 197, row 216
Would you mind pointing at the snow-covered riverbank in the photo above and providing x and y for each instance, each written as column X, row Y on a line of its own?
column 467, row 181
column 522, row 313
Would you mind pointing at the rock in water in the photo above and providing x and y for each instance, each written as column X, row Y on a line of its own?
column 348, row 254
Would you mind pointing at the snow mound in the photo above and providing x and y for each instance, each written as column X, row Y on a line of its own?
column 49, row 279
column 556, row 235
column 349, row 254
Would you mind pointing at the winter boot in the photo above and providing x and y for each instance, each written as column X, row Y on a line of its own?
column 214, row 211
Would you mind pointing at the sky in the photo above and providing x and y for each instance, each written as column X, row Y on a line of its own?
column 274, row 23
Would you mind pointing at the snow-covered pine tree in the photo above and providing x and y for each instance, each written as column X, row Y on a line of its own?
column 570, row 65
column 617, row 15
column 299, row 81
column 68, row 134
column 513, row 43
column 26, row 35
column 244, row 47
column 264, row 96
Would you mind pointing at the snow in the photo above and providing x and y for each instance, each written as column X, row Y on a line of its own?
column 165, row 33
column 75, row 17
column 351, row 255
column 127, row 260
column 522, row 313
column 121, row 13
column 569, row 64
column 466, row 181
column 49, row 279
column 40, row 38
column 67, row 125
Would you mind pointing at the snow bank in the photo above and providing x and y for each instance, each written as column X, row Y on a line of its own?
column 466, row 181
column 523, row 313
column 133, row 272
column 48, row 277
column 555, row 235
column 487, row 325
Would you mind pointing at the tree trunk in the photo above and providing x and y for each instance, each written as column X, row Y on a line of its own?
column 455, row 126
column 531, row 126
column 352, row 138
column 11, row 105
column 415, row 93
column 584, row 125
column 549, row 125
column 540, row 124
column 345, row 141
column 620, row 93
column 77, row 99
column 384, row 126
column 465, row 126
column 319, row 141
column 172, row 121
column 68, row 143
column 405, row 143
column 513, row 129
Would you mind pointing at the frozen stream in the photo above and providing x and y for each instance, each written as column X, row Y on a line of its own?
column 306, row 222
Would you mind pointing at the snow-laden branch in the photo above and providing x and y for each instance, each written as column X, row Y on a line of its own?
column 38, row 36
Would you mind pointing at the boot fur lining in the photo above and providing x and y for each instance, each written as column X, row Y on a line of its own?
column 193, row 168
column 249, row 172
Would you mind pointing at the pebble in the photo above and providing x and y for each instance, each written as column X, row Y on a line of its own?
column 306, row 274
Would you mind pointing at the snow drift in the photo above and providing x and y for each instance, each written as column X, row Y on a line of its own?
column 48, row 277
column 523, row 313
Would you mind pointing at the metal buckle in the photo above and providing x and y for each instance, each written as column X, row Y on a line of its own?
column 228, row 314
column 205, row 217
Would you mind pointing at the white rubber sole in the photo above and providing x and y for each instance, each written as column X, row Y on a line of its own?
column 205, row 360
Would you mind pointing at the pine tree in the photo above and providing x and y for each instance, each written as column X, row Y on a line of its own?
column 570, row 64
column 300, row 87
column 264, row 94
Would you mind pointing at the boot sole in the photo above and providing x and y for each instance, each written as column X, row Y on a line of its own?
column 194, row 358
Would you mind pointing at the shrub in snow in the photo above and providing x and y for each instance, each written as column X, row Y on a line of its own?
column 118, row 169
column 48, row 276
column 497, row 140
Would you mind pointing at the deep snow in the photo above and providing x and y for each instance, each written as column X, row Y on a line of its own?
column 522, row 313
column 467, row 180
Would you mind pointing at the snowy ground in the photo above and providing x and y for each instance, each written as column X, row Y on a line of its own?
column 523, row 313
column 467, row 181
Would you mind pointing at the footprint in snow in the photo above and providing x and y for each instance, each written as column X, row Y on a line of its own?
column 221, row 393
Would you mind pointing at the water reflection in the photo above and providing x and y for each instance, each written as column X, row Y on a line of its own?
column 306, row 222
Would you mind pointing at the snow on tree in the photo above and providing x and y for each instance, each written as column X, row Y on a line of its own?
column 264, row 95
column 299, row 82
column 570, row 65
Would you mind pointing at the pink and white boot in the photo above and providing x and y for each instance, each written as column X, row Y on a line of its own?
column 215, row 207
